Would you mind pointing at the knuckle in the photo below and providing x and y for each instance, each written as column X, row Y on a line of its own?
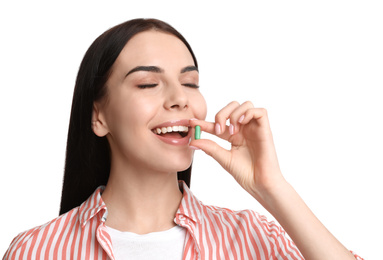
column 236, row 103
column 219, row 117
column 263, row 110
column 248, row 103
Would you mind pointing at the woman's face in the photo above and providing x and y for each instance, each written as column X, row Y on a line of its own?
column 153, row 86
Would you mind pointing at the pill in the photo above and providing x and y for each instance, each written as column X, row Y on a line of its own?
column 197, row 132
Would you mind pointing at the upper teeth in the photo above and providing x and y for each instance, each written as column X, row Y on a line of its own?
column 169, row 129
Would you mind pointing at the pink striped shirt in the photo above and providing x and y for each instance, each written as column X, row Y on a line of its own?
column 212, row 233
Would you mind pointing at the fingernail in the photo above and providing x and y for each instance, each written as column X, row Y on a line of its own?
column 241, row 118
column 194, row 148
column 231, row 129
column 217, row 129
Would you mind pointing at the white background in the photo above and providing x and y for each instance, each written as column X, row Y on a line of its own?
column 316, row 66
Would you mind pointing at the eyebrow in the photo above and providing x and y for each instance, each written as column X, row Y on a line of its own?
column 156, row 69
column 189, row 68
column 145, row 68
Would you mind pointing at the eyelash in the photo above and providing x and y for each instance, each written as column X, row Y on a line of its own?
column 154, row 85
column 147, row 86
column 191, row 85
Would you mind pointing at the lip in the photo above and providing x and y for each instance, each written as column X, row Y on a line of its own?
column 174, row 141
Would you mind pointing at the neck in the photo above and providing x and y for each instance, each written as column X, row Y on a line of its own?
column 141, row 201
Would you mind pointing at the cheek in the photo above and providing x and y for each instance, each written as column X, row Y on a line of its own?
column 132, row 111
column 128, row 123
column 143, row 109
column 200, row 107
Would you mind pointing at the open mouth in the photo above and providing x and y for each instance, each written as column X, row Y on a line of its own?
column 172, row 131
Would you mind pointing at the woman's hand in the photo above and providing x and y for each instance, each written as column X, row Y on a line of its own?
column 253, row 162
column 252, row 159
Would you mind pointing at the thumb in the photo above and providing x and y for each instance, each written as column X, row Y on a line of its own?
column 211, row 148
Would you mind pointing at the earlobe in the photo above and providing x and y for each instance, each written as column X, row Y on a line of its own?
column 99, row 126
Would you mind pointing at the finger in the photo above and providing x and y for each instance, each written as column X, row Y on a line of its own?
column 223, row 115
column 238, row 115
column 259, row 114
column 261, row 121
column 209, row 128
column 205, row 126
column 211, row 148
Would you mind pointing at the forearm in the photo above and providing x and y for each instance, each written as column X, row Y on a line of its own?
column 310, row 236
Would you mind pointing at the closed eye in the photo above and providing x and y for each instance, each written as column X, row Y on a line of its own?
column 147, row 85
column 190, row 85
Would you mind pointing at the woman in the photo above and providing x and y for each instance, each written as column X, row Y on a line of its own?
column 129, row 153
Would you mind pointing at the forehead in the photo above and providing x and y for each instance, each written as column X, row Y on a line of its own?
column 155, row 48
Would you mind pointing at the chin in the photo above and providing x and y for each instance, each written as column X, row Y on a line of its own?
column 181, row 167
column 178, row 163
column 184, row 168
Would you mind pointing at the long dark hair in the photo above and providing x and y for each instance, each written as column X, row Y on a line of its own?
column 87, row 163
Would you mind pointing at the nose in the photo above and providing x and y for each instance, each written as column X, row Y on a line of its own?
column 175, row 97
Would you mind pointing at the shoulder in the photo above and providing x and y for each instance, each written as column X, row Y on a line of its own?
column 27, row 242
column 239, row 215
column 241, row 219
column 245, row 221
column 248, row 223
column 63, row 237
column 250, row 229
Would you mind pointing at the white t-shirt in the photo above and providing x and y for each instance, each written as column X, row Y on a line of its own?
column 168, row 244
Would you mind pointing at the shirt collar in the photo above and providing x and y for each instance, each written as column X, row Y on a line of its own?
column 189, row 207
column 92, row 206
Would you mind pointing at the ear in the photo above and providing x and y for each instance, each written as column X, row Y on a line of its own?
column 99, row 126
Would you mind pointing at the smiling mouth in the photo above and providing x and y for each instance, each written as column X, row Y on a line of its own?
column 172, row 131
